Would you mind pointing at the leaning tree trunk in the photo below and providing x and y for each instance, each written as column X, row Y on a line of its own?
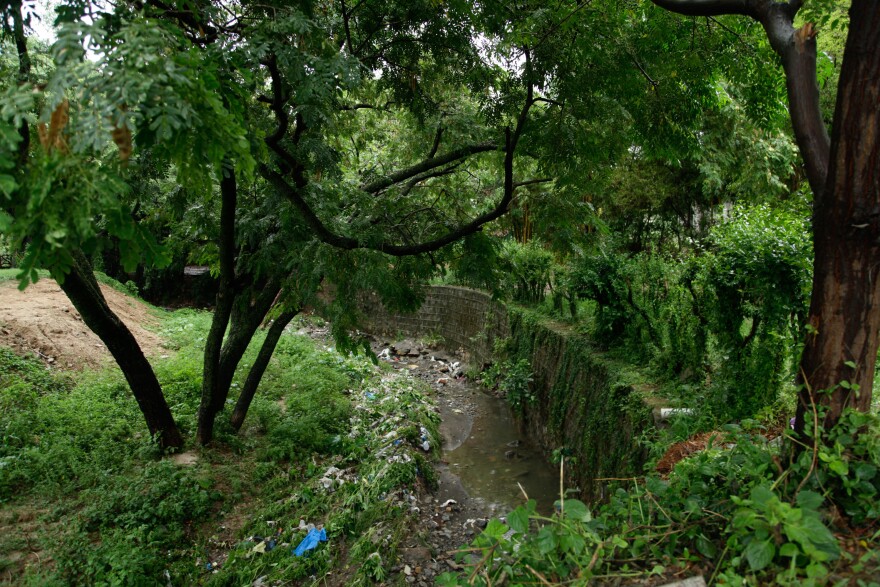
column 845, row 306
column 259, row 367
column 85, row 295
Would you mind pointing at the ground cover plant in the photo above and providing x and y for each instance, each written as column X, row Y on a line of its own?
column 730, row 513
column 89, row 498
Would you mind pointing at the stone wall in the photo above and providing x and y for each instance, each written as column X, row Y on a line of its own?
column 462, row 318
column 586, row 405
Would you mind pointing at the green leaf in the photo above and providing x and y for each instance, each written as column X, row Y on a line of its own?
column 820, row 536
column 5, row 222
column 576, row 510
column 762, row 495
column 863, row 471
column 519, row 520
column 760, row 553
column 810, row 500
column 817, row 570
column 572, row 543
column 547, row 540
column 7, row 185
column 789, row 549
column 495, row 529
column 706, row 547
column 839, row 466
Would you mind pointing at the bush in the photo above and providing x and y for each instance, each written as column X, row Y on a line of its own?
column 755, row 281
column 730, row 512
column 527, row 270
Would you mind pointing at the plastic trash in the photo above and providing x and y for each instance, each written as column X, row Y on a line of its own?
column 311, row 541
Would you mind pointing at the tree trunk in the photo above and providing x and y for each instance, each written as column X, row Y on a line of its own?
column 208, row 407
column 248, row 312
column 85, row 295
column 259, row 367
column 845, row 306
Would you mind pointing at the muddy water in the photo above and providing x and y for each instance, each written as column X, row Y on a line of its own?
column 496, row 464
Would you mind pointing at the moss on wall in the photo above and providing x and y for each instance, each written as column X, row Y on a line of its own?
column 587, row 405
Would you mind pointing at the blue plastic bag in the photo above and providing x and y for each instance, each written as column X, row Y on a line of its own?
column 311, row 541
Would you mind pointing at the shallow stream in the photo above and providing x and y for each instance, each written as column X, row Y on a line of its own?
column 495, row 463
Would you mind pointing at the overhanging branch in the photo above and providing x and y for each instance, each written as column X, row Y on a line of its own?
column 797, row 48
column 709, row 7
column 427, row 165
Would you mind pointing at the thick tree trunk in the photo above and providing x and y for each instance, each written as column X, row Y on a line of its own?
column 845, row 306
column 259, row 367
column 85, row 295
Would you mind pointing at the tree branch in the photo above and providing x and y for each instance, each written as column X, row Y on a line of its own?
column 532, row 181
column 710, row 7
column 364, row 106
column 426, row 165
column 797, row 48
column 346, row 27
column 348, row 243
column 432, row 174
column 24, row 75
column 436, row 144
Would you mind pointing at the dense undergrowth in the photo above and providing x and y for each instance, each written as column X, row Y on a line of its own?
column 333, row 441
column 730, row 513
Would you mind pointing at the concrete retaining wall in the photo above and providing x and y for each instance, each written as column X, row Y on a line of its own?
column 463, row 318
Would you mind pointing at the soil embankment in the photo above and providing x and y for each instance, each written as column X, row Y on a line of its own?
column 41, row 320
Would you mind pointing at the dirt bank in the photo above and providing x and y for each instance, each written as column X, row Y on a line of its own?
column 41, row 320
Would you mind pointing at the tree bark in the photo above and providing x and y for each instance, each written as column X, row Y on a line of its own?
column 208, row 407
column 248, row 312
column 255, row 375
column 845, row 307
column 24, row 74
column 85, row 295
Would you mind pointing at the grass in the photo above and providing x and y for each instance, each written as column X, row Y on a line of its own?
column 12, row 274
column 89, row 500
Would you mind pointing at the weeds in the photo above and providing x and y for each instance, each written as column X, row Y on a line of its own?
column 729, row 513
column 330, row 441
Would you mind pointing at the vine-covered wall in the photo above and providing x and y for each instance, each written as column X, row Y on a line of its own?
column 582, row 404
column 585, row 404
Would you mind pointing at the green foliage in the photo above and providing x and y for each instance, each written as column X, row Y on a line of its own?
column 137, row 518
column 527, row 270
column 513, row 381
column 116, row 512
column 755, row 279
column 726, row 510
column 847, row 460
column 601, row 279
